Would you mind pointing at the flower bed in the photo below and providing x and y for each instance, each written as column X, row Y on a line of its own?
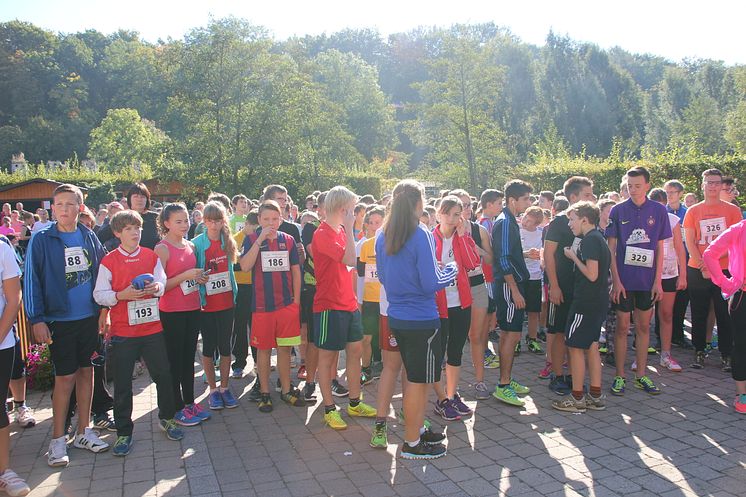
column 39, row 371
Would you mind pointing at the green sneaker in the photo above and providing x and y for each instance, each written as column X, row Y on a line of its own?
column 379, row 440
column 645, row 383
column 603, row 349
column 617, row 388
column 518, row 388
column 518, row 348
column 362, row 410
column 534, row 347
column 507, row 395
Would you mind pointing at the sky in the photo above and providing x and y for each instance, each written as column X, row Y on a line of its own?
column 673, row 29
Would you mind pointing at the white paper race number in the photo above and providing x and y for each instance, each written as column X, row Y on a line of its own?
column 142, row 311
column 711, row 229
column 635, row 256
column 189, row 286
column 218, row 283
column 371, row 273
column 75, row 260
column 275, row 260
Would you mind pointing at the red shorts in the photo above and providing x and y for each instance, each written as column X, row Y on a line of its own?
column 280, row 328
column 386, row 339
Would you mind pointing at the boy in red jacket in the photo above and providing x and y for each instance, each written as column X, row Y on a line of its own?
column 136, row 329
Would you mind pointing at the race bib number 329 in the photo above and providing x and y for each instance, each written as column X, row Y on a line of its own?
column 635, row 256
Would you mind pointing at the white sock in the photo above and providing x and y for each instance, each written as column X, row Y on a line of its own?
column 413, row 444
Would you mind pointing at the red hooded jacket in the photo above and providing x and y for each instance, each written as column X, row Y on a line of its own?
column 466, row 256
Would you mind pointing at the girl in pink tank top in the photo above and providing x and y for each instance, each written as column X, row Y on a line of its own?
column 180, row 310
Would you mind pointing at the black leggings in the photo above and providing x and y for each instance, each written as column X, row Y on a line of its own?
column 6, row 367
column 701, row 293
column 241, row 320
column 453, row 334
column 217, row 331
column 180, row 331
column 738, row 355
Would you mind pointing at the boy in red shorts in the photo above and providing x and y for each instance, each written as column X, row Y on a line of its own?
column 272, row 257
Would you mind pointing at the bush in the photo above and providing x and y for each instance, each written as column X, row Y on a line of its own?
column 39, row 371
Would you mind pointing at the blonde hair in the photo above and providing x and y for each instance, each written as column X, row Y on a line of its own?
column 338, row 197
column 215, row 211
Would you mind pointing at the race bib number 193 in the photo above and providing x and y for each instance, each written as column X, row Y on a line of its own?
column 142, row 311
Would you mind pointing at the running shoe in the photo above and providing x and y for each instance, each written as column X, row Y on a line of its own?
column 172, row 430
column 699, row 360
column 518, row 388
column 708, row 349
column 422, row 451
column 366, row 376
column 546, row 372
column 302, row 373
column 725, row 365
column 430, row 437
column 446, row 411
column 229, row 401
column 256, row 392
column 633, row 367
column 89, row 440
column 339, row 390
column 309, row 392
column 507, row 394
column 237, row 373
column 376, row 368
column 278, row 386
column 185, row 417
column 645, row 383
column 104, row 422
column 459, row 405
column 617, row 387
column 542, row 335
column 12, row 484
column 361, row 410
column 293, row 398
column 740, row 403
column 197, row 411
column 481, row 392
column 24, row 417
column 570, row 404
column 494, row 335
column 518, row 349
column 334, row 420
column 265, row 403
column 595, row 403
column 534, row 347
column 603, row 349
column 670, row 363
column 57, row 454
column 491, row 361
column 215, row 401
column 652, row 350
column 380, row 439
column 559, row 386
column 122, row 446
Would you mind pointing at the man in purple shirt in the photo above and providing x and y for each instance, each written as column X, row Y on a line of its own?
column 638, row 228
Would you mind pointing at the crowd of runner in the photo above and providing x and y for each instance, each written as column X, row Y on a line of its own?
column 398, row 283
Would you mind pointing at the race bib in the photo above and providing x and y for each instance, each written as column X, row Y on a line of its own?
column 75, row 260
column 711, row 229
column 371, row 273
column 189, row 286
column 635, row 256
column 218, row 283
column 143, row 311
column 275, row 260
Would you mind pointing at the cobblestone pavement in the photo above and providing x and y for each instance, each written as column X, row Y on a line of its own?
column 687, row 441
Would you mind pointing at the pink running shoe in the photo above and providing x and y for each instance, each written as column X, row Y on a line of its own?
column 546, row 372
column 740, row 403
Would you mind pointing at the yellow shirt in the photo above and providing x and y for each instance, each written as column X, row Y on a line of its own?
column 371, row 285
column 242, row 278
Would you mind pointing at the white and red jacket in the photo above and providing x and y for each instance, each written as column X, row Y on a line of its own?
column 118, row 269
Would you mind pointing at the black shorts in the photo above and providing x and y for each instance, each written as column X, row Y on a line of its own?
column 370, row 318
column 669, row 285
column 533, row 296
column 6, row 365
column 557, row 314
column 509, row 317
column 19, row 365
column 217, row 331
column 636, row 299
column 420, row 353
column 583, row 328
column 73, row 344
column 307, row 294
column 335, row 329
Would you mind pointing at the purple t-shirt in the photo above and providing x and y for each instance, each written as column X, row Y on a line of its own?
column 638, row 230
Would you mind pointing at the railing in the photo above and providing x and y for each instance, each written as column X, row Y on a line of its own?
column 24, row 332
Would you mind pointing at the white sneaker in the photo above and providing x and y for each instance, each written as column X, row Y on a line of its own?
column 24, row 417
column 57, row 454
column 12, row 484
column 670, row 363
column 634, row 366
column 89, row 440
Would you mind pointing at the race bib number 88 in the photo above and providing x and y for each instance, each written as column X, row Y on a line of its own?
column 75, row 260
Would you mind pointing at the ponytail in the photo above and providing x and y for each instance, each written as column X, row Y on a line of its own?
column 404, row 216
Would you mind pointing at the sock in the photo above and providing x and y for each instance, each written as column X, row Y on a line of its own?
column 665, row 353
column 330, row 408
column 595, row 392
column 503, row 385
column 413, row 444
column 422, row 430
column 577, row 395
column 19, row 403
column 380, row 421
column 354, row 402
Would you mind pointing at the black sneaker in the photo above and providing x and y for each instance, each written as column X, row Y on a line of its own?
column 494, row 335
column 376, row 368
column 255, row 393
column 699, row 360
column 422, row 451
column 104, row 422
column 309, row 392
column 432, row 438
column 339, row 390
column 278, row 387
column 366, row 376
column 725, row 363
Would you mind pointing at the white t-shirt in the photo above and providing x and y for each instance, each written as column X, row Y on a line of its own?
column 8, row 269
column 40, row 225
column 670, row 261
column 529, row 240
column 446, row 256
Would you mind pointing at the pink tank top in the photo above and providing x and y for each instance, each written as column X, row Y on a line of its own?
column 185, row 296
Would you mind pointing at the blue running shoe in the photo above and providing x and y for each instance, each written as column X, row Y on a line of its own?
column 215, row 401
column 122, row 446
column 197, row 411
column 173, row 432
column 185, row 417
column 229, row 401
